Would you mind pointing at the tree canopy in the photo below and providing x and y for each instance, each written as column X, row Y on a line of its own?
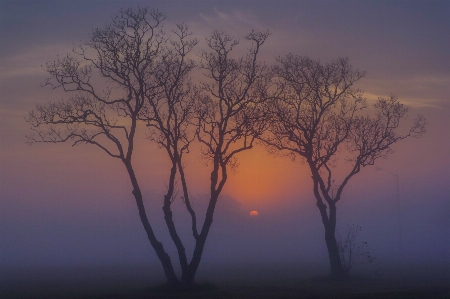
column 131, row 76
column 318, row 114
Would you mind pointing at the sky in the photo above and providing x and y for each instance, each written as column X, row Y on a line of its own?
column 64, row 205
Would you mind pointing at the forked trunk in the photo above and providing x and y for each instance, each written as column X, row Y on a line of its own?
column 188, row 278
column 171, row 225
column 195, row 262
column 157, row 246
column 329, row 223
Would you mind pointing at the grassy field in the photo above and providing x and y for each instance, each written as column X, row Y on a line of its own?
column 227, row 282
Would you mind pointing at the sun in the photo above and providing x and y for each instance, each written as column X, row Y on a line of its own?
column 254, row 213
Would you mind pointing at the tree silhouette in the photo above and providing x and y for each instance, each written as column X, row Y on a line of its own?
column 229, row 114
column 131, row 72
column 173, row 114
column 146, row 79
column 169, row 116
column 131, row 55
column 317, row 115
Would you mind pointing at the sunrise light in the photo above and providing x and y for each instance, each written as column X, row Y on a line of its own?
column 254, row 213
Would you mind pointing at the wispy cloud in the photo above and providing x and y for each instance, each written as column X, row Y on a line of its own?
column 29, row 62
column 236, row 23
column 236, row 19
column 415, row 91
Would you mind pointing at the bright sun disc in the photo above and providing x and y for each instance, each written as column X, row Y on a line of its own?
column 254, row 213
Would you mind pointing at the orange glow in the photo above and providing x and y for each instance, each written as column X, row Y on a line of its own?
column 254, row 213
column 261, row 178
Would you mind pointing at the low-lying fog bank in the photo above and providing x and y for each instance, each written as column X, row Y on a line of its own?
column 236, row 280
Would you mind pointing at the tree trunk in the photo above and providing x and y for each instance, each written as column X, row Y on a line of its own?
column 171, row 225
column 201, row 240
column 157, row 246
column 336, row 268
column 189, row 275
column 175, row 238
column 329, row 223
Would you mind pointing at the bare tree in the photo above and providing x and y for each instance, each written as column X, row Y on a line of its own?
column 180, row 106
column 169, row 116
column 229, row 112
column 132, row 55
column 147, row 79
column 351, row 251
column 317, row 116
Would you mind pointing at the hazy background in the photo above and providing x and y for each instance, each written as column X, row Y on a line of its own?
column 65, row 206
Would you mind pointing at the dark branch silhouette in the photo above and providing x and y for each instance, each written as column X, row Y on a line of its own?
column 128, row 54
column 146, row 79
column 132, row 73
column 317, row 115
column 169, row 116
column 229, row 114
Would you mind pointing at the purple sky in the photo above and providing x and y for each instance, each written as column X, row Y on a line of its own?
column 69, row 205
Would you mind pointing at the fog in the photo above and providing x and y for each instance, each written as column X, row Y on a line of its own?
column 76, row 226
column 53, row 248
column 64, row 208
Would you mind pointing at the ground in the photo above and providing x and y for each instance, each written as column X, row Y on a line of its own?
column 227, row 282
